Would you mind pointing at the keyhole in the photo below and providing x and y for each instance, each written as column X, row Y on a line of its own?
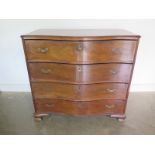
column 78, row 88
column 79, row 68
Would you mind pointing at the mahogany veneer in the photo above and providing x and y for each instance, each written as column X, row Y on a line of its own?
column 80, row 72
column 87, row 74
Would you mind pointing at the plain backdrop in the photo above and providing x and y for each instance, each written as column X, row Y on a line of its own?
column 13, row 72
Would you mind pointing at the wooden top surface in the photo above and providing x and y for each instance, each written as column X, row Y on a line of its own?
column 79, row 34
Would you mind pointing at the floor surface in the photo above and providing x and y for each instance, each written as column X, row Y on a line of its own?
column 16, row 118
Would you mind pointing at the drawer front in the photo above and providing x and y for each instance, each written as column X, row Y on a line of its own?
column 85, row 52
column 55, row 51
column 80, row 73
column 53, row 72
column 79, row 92
column 80, row 108
column 109, row 51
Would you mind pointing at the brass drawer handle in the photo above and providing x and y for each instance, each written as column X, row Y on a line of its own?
column 50, row 105
column 109, row 90
column 43, row 50
column 45, row 71
column 109, row 106
column 113, row 72
column 79, row 48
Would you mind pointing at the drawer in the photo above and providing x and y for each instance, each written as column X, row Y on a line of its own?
column 85, row 52
column 79, row 92
column 80, row 108
column 85, row 74
column 109, row 51
column 54, row 51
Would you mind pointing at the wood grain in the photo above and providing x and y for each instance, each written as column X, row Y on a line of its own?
column 80, row 92
column 79, row 74
column 81, row 52
column 80, row 108
column 81, row 34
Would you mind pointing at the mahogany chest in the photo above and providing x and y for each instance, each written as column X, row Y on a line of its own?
column 80, row 71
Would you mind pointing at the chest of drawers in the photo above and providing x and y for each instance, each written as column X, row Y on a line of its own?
column 80, row 72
